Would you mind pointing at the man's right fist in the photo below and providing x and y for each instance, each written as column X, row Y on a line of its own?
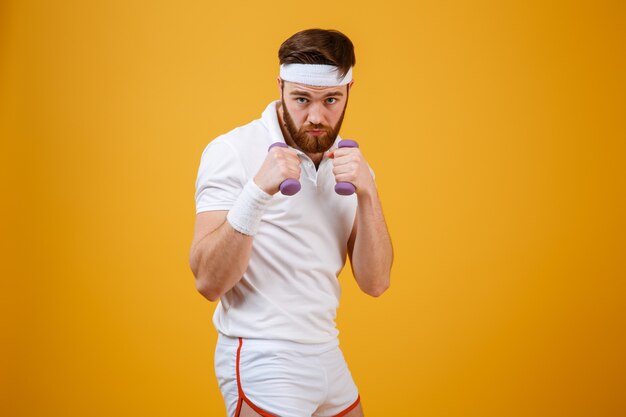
column 281, row 165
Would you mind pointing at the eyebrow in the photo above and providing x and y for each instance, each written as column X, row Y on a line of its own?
column 307, row 94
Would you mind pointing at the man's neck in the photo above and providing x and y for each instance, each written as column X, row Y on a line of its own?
column 315, row 157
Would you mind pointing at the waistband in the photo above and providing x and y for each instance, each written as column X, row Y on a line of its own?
column 279, row 344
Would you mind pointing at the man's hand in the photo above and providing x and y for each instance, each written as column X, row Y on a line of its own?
column 279, row 165
column 349, row 165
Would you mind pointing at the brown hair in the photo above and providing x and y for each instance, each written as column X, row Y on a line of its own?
column 318, row 46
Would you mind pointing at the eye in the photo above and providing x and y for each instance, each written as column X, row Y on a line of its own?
column 331, row 100
column 301, row 100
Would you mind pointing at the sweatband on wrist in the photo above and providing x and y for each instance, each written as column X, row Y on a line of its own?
column 245, row 215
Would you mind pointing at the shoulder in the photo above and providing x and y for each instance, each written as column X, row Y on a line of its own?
column 250, row 138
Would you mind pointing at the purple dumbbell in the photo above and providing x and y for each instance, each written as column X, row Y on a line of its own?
column 346, row 188
column 290, row 186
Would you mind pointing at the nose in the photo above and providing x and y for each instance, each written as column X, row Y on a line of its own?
column 315, row 114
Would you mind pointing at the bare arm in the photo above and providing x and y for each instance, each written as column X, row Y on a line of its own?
column 369, row 247
column 219, row 255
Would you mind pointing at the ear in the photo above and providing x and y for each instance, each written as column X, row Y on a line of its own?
column 350, row 85
column 280, row 87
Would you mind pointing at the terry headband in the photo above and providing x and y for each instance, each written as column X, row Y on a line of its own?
column 313, row 74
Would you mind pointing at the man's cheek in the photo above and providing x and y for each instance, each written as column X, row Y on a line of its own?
column 298, row 121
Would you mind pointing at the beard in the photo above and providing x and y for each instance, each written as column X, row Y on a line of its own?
column 309, row 143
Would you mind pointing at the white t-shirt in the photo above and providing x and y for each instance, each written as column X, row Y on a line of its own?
column 290, row 290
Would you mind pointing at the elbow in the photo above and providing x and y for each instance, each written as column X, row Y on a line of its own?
column 203, row 283
column 377, row 290
column 206, row 290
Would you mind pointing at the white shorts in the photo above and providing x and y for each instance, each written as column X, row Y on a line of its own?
column 282, row 378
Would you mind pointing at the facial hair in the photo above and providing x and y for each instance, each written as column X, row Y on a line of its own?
column 306, row 142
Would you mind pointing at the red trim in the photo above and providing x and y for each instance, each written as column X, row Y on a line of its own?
column 242, row 395
column 238, row 410
column 239, row 397
column 347, row 410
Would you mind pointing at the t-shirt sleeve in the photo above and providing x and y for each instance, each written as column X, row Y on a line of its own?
column 220, row 178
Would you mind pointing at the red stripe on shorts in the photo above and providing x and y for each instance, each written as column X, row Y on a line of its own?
column 242, row 395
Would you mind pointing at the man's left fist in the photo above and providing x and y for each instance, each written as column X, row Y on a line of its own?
column 349, row 165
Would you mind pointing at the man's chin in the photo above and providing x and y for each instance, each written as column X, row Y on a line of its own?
column 309, row 146
column 322, row 143
column 320, row 149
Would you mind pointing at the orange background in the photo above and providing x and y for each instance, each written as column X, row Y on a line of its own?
column 498, row 137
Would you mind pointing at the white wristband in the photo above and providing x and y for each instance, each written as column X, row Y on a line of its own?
column 245, row 215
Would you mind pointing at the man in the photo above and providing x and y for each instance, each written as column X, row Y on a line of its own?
column 273, row 259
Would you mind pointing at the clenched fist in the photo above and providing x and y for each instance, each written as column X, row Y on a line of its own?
column 280, row 164
column 349, row 165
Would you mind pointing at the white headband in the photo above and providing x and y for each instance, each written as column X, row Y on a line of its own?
column 313, row 74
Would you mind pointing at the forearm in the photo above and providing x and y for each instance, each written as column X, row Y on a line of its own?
column 372, row 255
column 223, row 255
column 219, row 260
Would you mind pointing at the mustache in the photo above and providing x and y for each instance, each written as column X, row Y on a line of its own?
column 309, row 128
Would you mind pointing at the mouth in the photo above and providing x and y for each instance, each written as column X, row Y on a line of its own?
column 315, row 132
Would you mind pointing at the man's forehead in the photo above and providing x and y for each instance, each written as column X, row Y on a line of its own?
column 291, row 86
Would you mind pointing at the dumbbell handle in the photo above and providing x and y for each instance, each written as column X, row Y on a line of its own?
column 346, row 188
column 291, row 185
